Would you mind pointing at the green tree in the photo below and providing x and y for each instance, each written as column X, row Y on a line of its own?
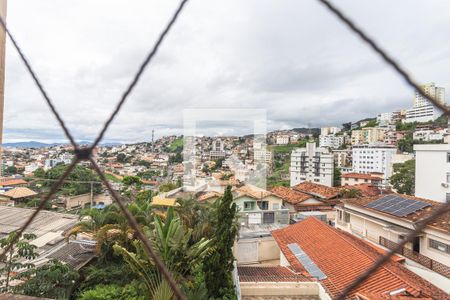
column 404, row 177
column 121, row 157
column 337, row 176
column 165, row 187
column 53, row 280
column 406, row 144
column 39, row 173
column 349, row 193
column 79, row 173
column 218, row 265
column 132, row 180
column 14, row 258
column 113, row 292
column 11, row 170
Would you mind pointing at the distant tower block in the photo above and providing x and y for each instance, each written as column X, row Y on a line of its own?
column 2, row 78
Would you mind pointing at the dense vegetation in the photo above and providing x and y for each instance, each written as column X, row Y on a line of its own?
column 194, row 240
column 403, row 178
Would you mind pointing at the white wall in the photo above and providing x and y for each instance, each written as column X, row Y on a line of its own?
column 432, row 167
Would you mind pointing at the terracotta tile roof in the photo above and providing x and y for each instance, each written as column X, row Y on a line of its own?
column 269, row 274
column 11, row 181
column 366, row 189
column 361, row 176
column 252, row 191
column 208, row 195
column 19, row 192
column 342, row 257
column 442, row 223
column 289, row 195
column 315, row 189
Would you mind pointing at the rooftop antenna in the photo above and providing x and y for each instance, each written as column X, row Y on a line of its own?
column 153, row 140
column 2, row 78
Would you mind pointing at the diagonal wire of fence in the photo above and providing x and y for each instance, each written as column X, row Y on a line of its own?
column 85, row 153
column 419, row 226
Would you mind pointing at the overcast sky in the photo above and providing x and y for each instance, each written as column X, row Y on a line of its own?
column 291, row 58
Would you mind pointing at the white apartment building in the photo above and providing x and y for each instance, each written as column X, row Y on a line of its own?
column 429, row 135
column 329, row 130
column 342, row 158
column 384, row 119
column 312, row 164
column 331, row 141
column 282, row 139
column 373, row 158
column 423, row 110
column 433, row 172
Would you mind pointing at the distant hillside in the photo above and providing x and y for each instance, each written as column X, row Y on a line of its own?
column 30, row 144
column 307, row 130
column 34, row 144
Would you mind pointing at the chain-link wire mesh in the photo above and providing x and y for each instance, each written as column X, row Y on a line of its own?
column 85, row 153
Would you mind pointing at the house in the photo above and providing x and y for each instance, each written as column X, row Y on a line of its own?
column 297, row 201
column 8, row 182
column 357, row 178
column 258, row 206
column 335, row 259
column 318, row 190
column 16, row 195
column 387, row 219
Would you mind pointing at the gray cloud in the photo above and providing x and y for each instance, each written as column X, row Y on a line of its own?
column 291, row 58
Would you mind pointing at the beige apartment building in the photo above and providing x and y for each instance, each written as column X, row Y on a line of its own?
column 370, row 135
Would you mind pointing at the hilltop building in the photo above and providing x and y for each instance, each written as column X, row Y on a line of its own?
column 312, row 164
column 423, row 110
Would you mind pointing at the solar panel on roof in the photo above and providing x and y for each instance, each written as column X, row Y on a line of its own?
column 306, row 262
column 397, row 205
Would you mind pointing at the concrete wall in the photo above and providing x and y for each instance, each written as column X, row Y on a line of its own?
column 256, row 251
column 279, row 289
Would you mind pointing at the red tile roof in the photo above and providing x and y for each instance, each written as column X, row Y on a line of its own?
column 269, row 274
column 342, row 257
column 11, row 181
column 316, row 189
column 366, row 189
column 361, row 176
column 289, row 195
column 441, row 223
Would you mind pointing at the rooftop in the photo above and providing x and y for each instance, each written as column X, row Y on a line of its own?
column 19, row 192
column 343, row 257
column 289, row 195
column 442, row 223
column 269, row 274
column 315, row 189
column 361, row 176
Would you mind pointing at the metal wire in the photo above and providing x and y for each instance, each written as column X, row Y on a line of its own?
column 419, row 226
column 85, row 153
column 44, row 201
column 134, row 224
column 141, row 70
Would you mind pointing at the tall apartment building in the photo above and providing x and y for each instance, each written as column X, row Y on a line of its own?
column 331, row 141
column 373, row 158
column 423, row 110
column 433, row 172
column 312, row 164
column 342, row 158
column 282, row 139
column 329, row 130
column 369, row 135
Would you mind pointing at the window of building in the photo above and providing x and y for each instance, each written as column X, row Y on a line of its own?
column 248, row 205
column 447, row 197
column 448, row 177
column 439, row 246
column 448, row 156
column 346, row 217
column 275, row 206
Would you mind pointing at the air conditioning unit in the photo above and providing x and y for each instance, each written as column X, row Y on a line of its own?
column 444, row 184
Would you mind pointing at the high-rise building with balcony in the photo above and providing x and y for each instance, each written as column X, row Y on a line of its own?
column 312, row 164
column 423, row 110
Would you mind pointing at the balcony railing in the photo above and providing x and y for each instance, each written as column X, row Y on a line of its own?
column 418, row 258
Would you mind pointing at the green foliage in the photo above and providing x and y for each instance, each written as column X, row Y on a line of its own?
column 79, row 173
column 371, row 123
column 14, row 258
column 177, row 158
column 53, row 280
column 350, row 193
column 149, row 174
column 113, row 292
column 132, row 180
column 176, row 145
column 143, row 163
column 35, row 203
column 403, row 179
column 39, row 173
column 218, row 265
column 168, row 186
column 442, row 120
column 122, row 158
column 11, row 170
column 337, row 176
column 112, row 178
column 399, row 126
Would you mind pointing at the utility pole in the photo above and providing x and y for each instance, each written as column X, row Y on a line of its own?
column 153, row 140
column 2, row 78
